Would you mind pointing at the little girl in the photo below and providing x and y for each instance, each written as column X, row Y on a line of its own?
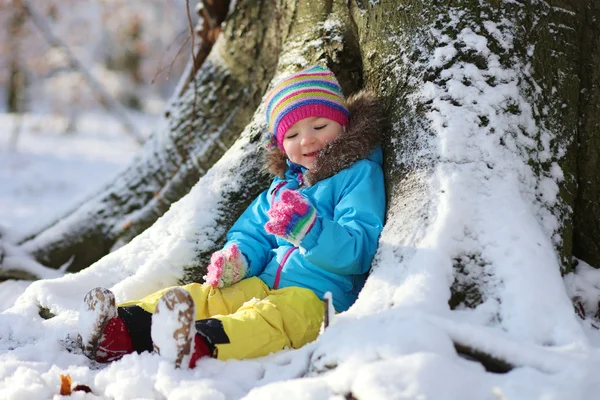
column 315, row 230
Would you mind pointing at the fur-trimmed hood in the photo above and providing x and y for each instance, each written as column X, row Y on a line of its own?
column 357, row 141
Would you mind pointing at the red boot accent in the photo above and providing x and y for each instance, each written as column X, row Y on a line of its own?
column 200, row 350
column 115, row 341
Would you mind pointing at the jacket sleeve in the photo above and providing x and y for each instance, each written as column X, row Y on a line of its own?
column 249, row 234
column 346, row 245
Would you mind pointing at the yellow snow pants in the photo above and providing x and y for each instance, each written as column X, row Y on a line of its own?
column 257, row 320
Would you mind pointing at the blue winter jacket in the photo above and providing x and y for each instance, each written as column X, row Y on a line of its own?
column 337, row 252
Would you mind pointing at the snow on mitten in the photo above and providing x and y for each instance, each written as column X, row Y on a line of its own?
column 291, row 217
column 227, row 267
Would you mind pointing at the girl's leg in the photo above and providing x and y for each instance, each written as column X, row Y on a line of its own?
column 104, row 336
column 209, row 301
column 289, row 317
column 173, row 329
column 128, row 328
column 137, row 315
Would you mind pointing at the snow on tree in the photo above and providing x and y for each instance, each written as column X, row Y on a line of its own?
column 490, row 174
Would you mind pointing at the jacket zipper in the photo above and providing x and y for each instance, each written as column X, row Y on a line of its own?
column 278, row 274
column 287, row 254
column 275, row 190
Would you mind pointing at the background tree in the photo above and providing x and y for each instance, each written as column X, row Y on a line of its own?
column 16, row 74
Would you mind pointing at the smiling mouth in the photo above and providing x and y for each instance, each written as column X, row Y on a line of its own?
column 313, row 154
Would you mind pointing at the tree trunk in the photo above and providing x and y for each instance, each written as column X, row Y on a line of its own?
column 550, row 55
column 2, row 252
column 558, row 48
column 16, row 74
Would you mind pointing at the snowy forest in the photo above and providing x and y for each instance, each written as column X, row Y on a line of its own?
column 485, row 282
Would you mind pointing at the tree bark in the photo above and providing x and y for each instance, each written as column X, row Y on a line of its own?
column 212, row 14
column 586, row 236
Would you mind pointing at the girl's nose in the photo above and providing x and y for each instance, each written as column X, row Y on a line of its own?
column 308, row 139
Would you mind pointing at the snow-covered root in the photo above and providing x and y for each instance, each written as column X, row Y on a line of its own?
column 406, row 353
column 16, row 259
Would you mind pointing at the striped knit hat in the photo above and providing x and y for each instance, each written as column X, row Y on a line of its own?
column 313, row 92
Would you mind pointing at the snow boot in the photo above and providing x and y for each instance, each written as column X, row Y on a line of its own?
column 102, row 336
column 115, row 341
column 201, row 349
column 173, row 330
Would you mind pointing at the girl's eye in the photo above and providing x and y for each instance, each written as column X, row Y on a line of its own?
column 318, row 128
column 291, row 136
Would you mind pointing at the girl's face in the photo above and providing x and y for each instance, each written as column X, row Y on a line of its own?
column 306, row 137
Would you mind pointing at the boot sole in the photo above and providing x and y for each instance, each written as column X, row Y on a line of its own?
column 179, row 303
column 101, row 304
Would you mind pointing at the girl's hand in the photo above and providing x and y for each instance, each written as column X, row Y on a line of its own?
column 291, row 218
column 227, row 267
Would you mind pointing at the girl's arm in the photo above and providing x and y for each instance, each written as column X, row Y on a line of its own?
column 346, row 245
column 249, row 234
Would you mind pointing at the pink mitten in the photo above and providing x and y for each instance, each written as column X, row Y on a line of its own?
column 227, row 267
column 291, row 217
